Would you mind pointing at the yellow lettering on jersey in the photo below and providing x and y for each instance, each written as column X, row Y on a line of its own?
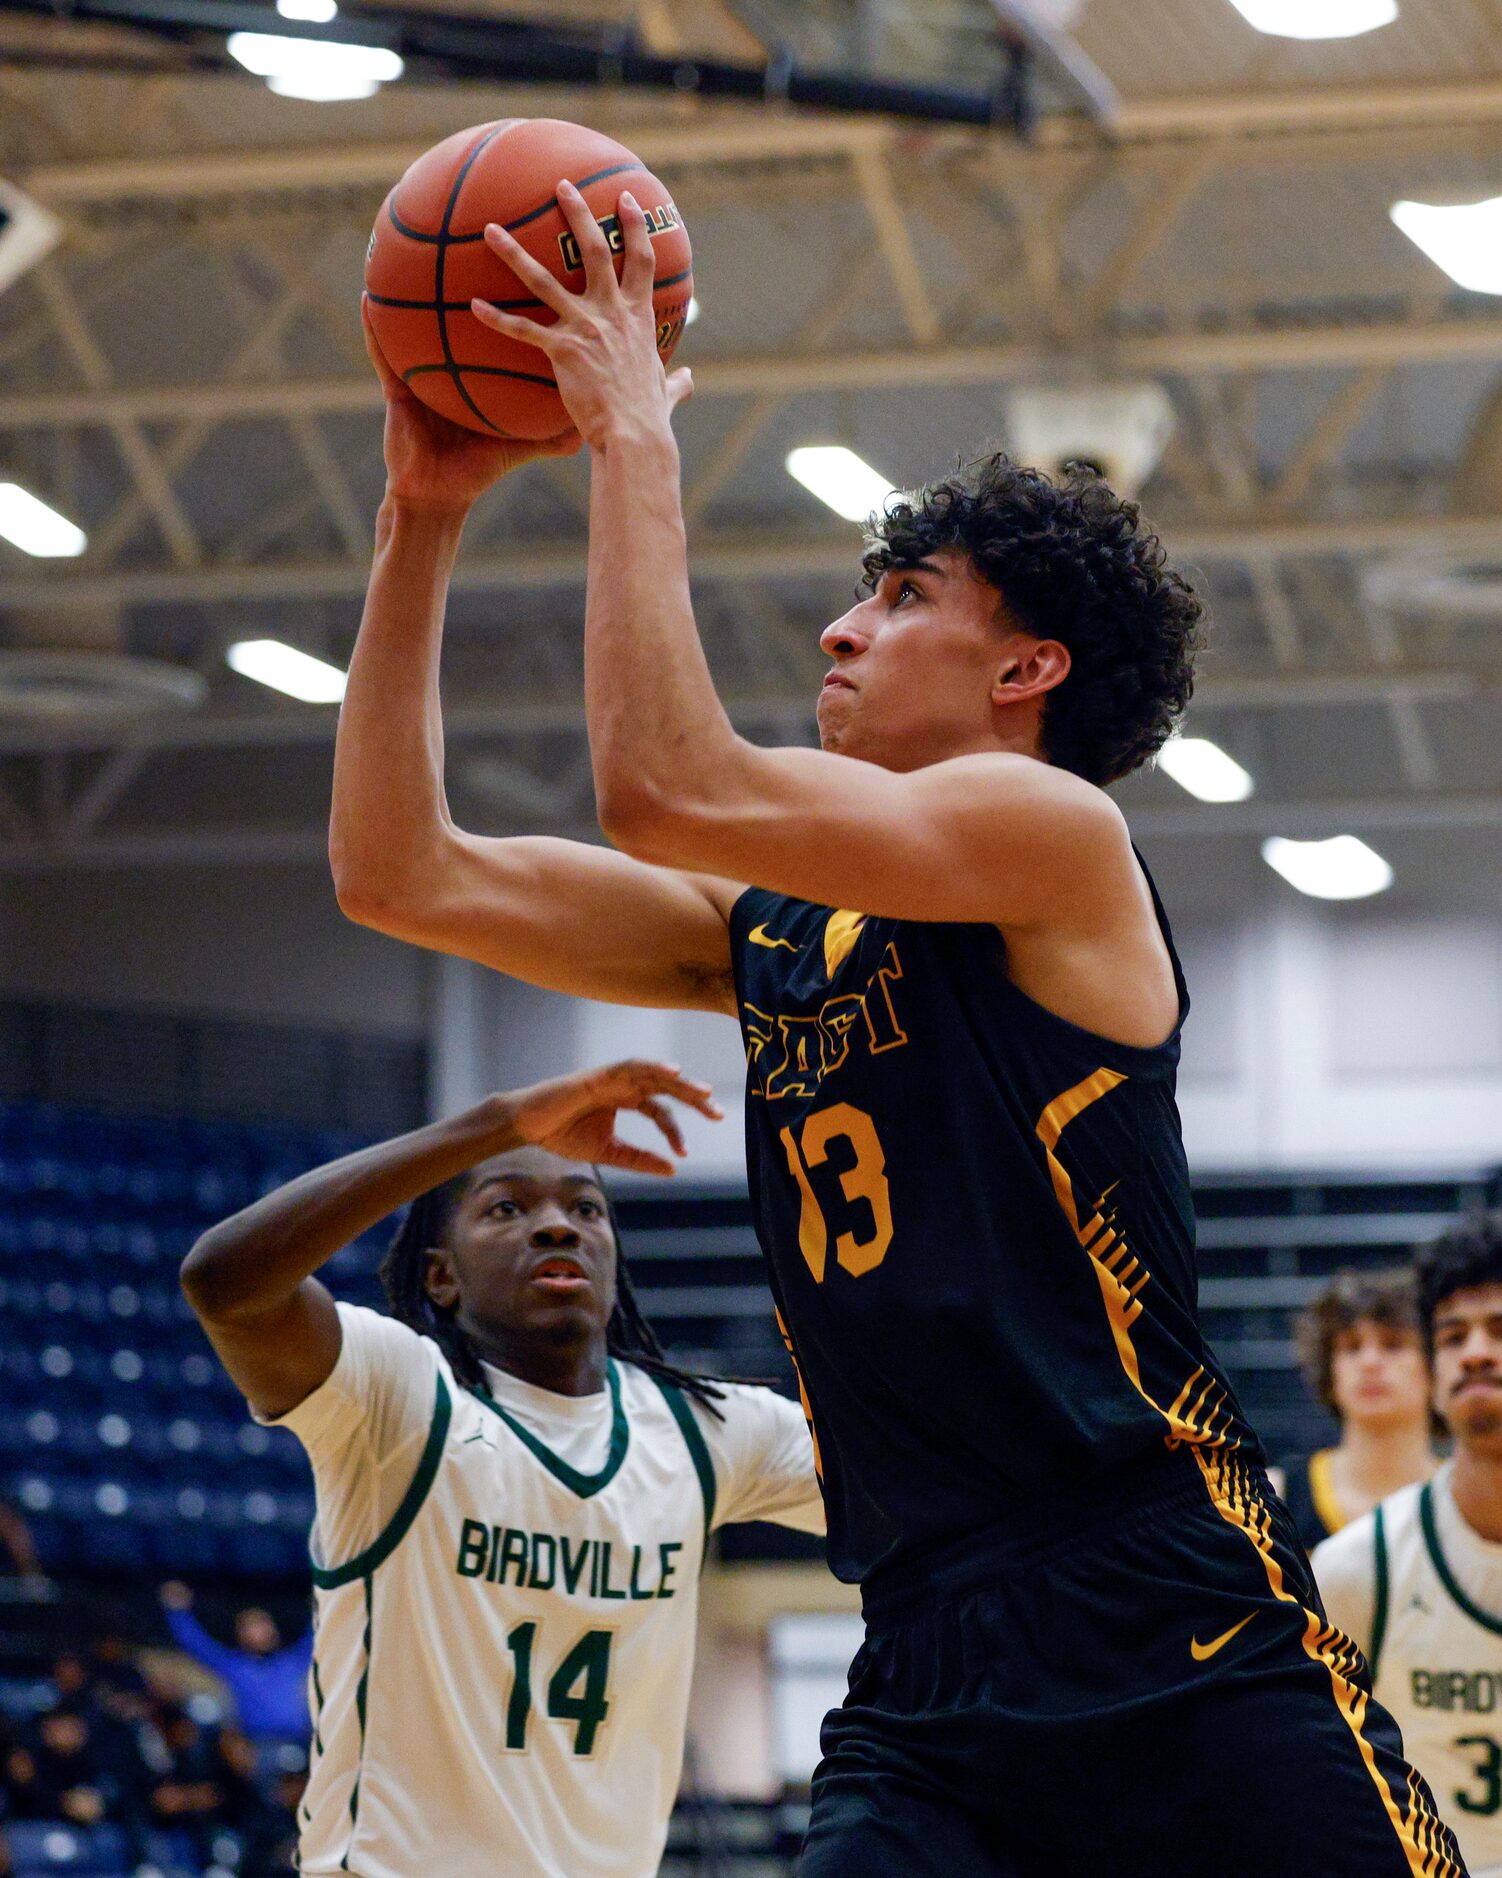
column 867, row 1180
column 840, row 934
column 813, row 1234
column 802, row 1051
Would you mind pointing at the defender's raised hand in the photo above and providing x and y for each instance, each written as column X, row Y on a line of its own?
column 602, row 345
column 575, row 1116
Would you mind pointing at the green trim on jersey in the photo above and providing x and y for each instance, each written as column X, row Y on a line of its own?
column 698, row 1448
column 1442, row 1566
column 1379, row 1613
column 360, row 1695
column 585, row 1485
column 363, row 1564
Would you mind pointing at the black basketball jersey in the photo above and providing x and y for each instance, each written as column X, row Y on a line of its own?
column 978, row 1222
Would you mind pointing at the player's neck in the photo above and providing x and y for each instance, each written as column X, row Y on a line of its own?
column 1371, row 1463
column 570, row 1368
column 1477, row 1486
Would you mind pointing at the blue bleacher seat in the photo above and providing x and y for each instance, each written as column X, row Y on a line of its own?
column 42, row 1848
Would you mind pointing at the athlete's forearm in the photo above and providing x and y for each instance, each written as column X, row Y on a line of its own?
column 258, row 1257
column 390, row 821
column 658, row 733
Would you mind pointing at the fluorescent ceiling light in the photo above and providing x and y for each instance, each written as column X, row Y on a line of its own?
column 284, row 668
column 1464, row 239
column 1341, row 868
column 28, row 524
column 318, row 12
column 319, row 69
column 841, row 479
column 1317, row 19
column 1205, row 770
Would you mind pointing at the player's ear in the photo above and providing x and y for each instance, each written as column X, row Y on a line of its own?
column 440, row 1280
column 1029, row 668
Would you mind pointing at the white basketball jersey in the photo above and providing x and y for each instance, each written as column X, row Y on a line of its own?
column 1436, row 1660
column 500, row 1681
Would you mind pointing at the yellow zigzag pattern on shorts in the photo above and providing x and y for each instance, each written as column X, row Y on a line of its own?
column 1427, row 1842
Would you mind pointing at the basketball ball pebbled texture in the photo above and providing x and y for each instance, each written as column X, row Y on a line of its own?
column 428, row 259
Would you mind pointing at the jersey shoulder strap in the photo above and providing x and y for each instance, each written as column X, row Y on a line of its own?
column 329, row 1578
column 1380, row 1596
column 693, row 1440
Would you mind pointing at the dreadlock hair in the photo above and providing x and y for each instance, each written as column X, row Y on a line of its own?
column 403, row 1272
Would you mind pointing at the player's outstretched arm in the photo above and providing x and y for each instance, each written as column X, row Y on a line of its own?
column 991, row 837
column 250, row 1279
column 559, row 914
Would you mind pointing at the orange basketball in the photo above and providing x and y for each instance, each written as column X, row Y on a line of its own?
column 428, row 259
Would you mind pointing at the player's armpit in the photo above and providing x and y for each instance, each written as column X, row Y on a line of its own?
column 568, row 917
column 998, row 838
column 277, row 1357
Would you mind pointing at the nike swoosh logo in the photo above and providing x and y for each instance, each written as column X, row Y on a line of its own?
column 759, row 936
column 1202, row 1652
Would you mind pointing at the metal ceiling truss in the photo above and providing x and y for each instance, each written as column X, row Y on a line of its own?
column 1287, row 534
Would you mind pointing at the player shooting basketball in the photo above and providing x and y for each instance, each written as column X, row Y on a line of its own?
column 515, row 1489
column 1093, row 1641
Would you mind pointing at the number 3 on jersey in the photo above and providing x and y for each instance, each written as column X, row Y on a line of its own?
column 864, row 1181
column 587, row 1663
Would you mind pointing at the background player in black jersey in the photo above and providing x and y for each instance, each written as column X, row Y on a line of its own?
column 1092, row 1640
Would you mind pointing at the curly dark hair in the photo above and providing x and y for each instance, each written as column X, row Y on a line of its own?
column 1387, row 1298
column 1469, row 1254
column 628, row 1335
column 1072, row 562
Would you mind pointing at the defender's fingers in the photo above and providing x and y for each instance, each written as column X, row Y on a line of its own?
column 641, row 264
column 513, row 325
column 618, row 1153
column 665, row 1121
column 527, row 268
column 594, row 249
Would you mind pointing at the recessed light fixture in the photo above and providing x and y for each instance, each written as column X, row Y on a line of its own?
column 323, row 70
column 284, row 668
column 838, row 477
column 316, row 12
column 1465, row 239
column 1317, row 19
column 27, row 523
column 1205, row 770
column 1342, row 868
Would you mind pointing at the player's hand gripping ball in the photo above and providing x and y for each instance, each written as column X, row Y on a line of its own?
column 428, row 259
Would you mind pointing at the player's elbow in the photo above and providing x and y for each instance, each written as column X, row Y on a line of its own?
column 372, row 889
column 643, row 821
column 208, row 1280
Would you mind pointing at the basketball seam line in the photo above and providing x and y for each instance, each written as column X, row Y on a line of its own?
column 455, row 376
column 454, row 241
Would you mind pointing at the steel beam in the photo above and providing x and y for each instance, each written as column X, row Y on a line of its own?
column 770, row 556
column 1228, row 353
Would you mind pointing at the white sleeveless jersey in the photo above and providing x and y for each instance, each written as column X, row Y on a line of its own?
column 1435, row 1653
column 500, row 1679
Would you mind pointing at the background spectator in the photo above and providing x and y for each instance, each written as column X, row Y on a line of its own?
column 268, row 1680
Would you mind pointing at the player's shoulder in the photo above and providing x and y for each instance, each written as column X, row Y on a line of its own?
column 374, row 1341
column 1356, row 1546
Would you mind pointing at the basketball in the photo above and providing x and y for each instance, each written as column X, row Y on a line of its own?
column 428, row 259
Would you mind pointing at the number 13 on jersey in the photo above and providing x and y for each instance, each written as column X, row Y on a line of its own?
column 864, row 1181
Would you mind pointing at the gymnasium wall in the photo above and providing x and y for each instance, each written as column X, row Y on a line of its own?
column 1366, row 1035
